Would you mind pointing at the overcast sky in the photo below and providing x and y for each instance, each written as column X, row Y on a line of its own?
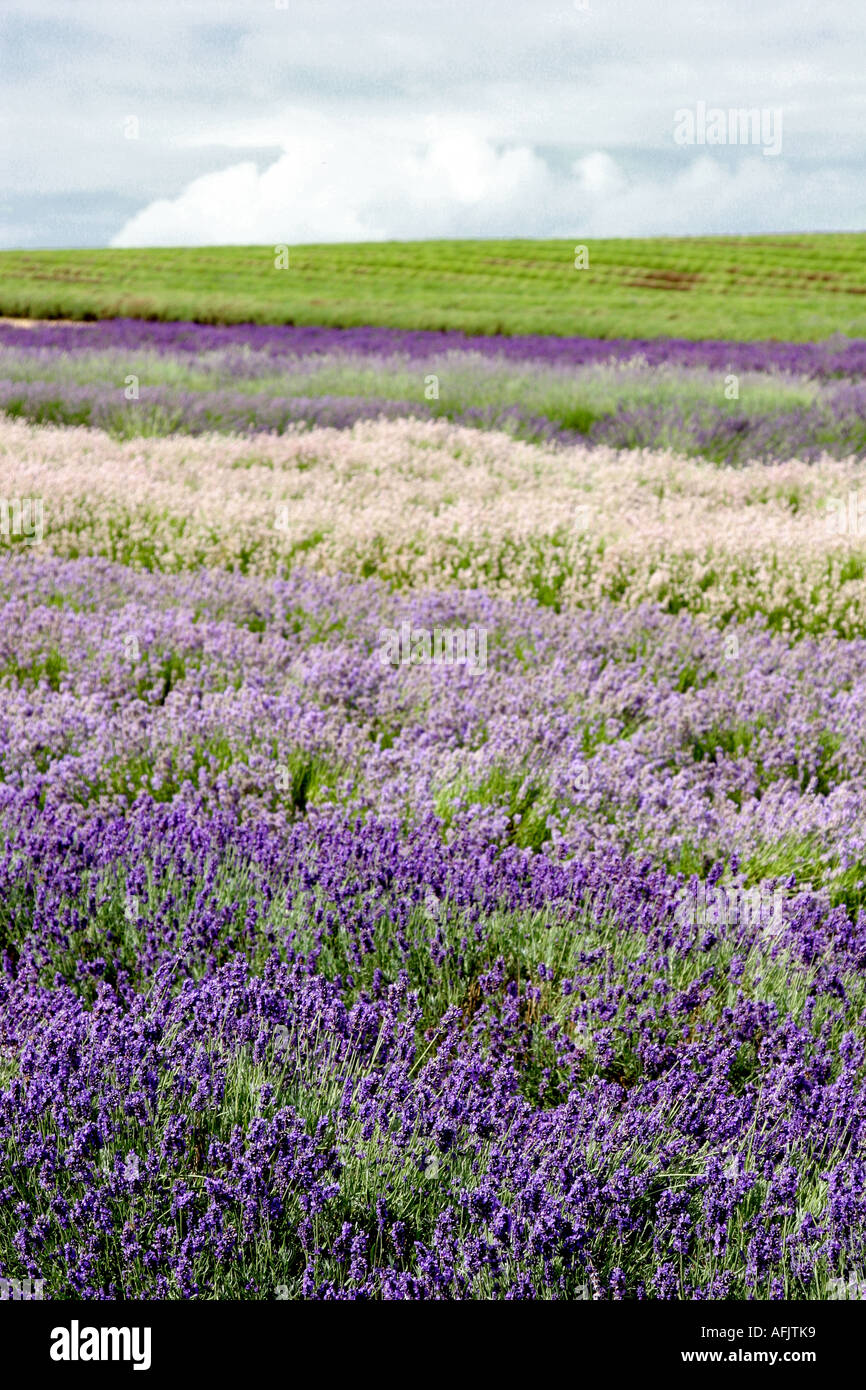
column 175, row 122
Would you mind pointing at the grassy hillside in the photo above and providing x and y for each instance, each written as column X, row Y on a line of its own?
column 797, row 287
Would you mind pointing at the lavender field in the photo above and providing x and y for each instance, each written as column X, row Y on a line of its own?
column 432, row 815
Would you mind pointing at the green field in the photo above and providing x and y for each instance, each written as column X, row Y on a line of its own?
column 798, row 287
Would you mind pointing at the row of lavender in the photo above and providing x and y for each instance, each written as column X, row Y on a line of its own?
column 353, row 1062
column 723, row 401
column 626, row 732
column 835, row 357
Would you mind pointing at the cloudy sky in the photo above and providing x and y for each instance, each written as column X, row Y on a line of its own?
column 178, row 122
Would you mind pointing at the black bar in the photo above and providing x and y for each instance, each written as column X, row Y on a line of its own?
column 645, row 1338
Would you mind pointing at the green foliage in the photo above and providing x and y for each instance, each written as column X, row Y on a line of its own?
column 523, row 796
column 794, row 287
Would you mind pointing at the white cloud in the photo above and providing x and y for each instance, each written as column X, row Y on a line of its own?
column 599, row 176
column 349, row 187
column 713, row 195
column 332, row 185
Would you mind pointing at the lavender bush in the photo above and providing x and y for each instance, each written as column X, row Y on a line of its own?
column 358, row 1064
